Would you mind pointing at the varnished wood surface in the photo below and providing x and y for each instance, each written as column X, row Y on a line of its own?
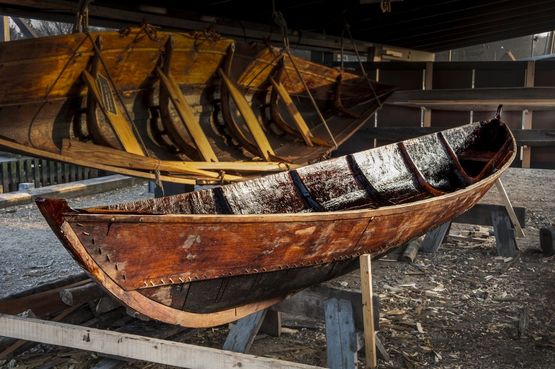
column 313, row 220
column 45, row 99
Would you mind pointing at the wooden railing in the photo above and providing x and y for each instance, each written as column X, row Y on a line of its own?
column 40, row 172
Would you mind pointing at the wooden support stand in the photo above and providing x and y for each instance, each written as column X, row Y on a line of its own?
column 487, row 215
column 345, row 314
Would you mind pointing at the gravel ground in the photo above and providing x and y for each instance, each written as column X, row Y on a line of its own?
column 31, row 253
column 458, row 308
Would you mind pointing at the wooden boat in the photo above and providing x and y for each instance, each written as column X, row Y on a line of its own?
column 212, row 256
column 181, row 107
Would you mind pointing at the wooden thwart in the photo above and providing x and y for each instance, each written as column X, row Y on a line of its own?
column 186, row 115
column 300, row 123
column 122, row 127
column 250, row 118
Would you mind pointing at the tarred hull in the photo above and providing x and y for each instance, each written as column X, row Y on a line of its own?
column 208, row 251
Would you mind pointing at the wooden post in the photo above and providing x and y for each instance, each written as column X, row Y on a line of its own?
column 368, row 310
column 505, row 241
column 507, row 202
column 428, row 78
column 341, row 335
column 241, row 335
column 5, row 28
column 434, row 238
column 527, row 114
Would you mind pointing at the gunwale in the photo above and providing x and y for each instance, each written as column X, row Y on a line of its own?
column 113, row 216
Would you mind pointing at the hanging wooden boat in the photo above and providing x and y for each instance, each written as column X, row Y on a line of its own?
column 212, row 256
column 187, row 107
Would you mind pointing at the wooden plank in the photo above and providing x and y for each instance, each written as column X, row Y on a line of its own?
column 480, row 214
column 505, row 241
column 89, row 163
column 271, row 325
column 298, row 119
column 510, row 210
column 531, row 137
column 134, row 347
column 249, row 117
column 428, row 79
column 44, row 173
column 340, row 334
column 242, row 333
column 187, row 116
column 20, row 172
column 36, row 172
column 4, row 172
column 368, row 310
column 434, row 238
column 122, row 127
column 310, row 303
column 527, row 114
column 59, row 172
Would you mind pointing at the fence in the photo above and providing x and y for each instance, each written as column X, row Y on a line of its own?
column 40, row 172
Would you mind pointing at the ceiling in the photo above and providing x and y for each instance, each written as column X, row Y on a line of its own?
column 430, row 25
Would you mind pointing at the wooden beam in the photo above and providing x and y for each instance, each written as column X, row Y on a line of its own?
column 480, row 214
column 368, row 310
column 527, row 114
column 530, row 137
column 477, row 99
column 135, row 347
column 428, row 78
column 5, row 28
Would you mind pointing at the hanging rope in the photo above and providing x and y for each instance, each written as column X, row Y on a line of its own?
column 279, row 19
column 363, row 70
column 385, row 5
column 81, row 22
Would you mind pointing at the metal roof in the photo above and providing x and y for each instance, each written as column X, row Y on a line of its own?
column 431, row 25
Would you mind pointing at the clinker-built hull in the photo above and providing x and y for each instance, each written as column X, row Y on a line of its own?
column 209, row 257
column 175, row 106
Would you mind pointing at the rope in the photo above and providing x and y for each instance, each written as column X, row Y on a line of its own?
column 279, row 19
column 385, row 5
column 120, row 98
column 365, row 75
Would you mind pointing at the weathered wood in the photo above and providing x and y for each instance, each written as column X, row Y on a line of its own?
column 271, row 325
column 341, row 336
column 547, row 240
column 478, row 99
column 509, row 207
column 242, row 333
column 505, row 240
column 368, row 310
column 310, row 303
column 434, row 238
column 480, row 214
column 106, row 304
column 411, row 250
column 133, row 346
column 527, row 114
column 529, row 137
column 78, row 295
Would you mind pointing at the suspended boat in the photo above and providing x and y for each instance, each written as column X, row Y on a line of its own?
column 209, row 257
column 181, row 107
